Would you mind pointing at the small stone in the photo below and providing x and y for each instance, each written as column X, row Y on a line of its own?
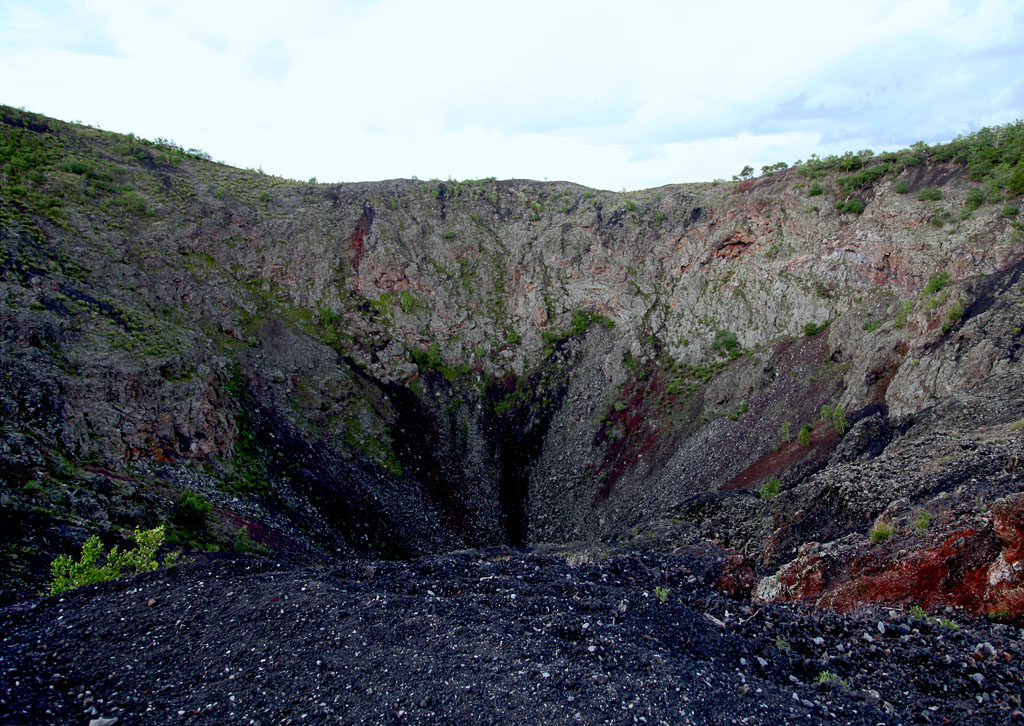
column 881, row 627
column 151, row 602
column 819, row 641
column 986, row 650
column 762, row 662
column 977, row 678
column 103, row 721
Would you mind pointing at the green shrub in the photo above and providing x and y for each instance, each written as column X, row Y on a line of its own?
column 936, row 282
column 770, row 489
column 881, row 532
column 930, row 194
column 924, row 520
column 975, row 198
column 804, row 437
column 68, row 574
column 829, row 676
column 192, row 510
column 836, row 415
column 1010, row 210
column 852, row 206
column 661, row 593
column 814, row 328
column 726, row 344
column 955, row 312
column 1015, row 184
column 815, row 190
column 901, row 187
column 786, row 435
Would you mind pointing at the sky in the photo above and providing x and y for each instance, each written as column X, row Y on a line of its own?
column 611, row 95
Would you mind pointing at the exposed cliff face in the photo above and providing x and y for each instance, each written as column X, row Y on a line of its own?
column 408, row 366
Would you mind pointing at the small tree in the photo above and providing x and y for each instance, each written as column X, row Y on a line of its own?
column 745, row 173
column 836, row 415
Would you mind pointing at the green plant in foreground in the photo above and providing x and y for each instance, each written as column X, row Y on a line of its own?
column 828, row 676
column 804, row 437
column 661, row 593
column 881, row 532
column 68, row 574
column 901, row 187
column 930, row 194
column 781, row 643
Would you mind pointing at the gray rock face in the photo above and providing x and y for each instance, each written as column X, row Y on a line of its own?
column 404, row 366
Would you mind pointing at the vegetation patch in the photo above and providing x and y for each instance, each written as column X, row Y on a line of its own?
column 68, row 574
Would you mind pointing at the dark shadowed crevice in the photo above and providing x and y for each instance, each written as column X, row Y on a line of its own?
column 523, row 410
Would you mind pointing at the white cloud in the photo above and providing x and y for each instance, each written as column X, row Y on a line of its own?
column 596, row 92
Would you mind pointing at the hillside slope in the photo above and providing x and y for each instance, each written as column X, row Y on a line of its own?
column 406, row 367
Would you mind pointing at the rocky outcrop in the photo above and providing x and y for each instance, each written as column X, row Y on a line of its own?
column 404, row 367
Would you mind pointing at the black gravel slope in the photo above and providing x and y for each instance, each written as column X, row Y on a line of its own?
column 485, row 637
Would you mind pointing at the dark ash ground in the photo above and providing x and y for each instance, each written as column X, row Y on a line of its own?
column 497, row 636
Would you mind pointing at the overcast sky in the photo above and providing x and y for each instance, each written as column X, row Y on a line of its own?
column 608, row 94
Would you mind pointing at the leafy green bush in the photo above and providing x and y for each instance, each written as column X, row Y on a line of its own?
column 726, row 344
column 1010, row 210
column 1015, row 184
column 836, row 415
column 68, row 574
column 815, row 190
column 924, row 520
column 804, row 437
column 936, row 282
column 975, row 198
column 865, row 177
column 192, row 510
column 901, row 187
column 851, row 206
column 956, row 311
column 814, row 328
column 770, row 489
column 930, row 194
